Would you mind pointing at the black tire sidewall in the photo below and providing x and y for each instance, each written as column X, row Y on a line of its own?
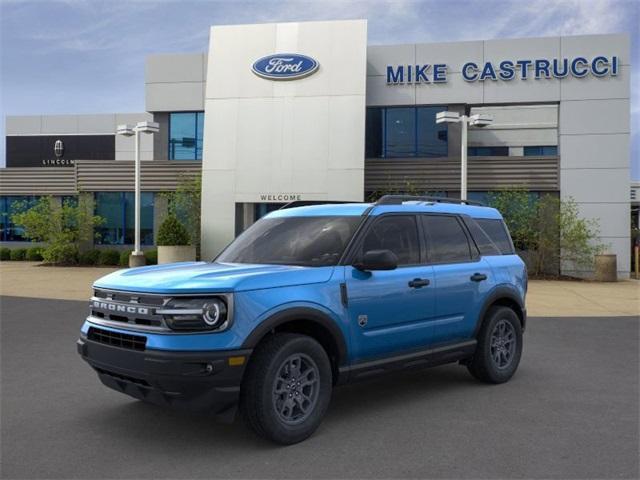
column 274, row 428
column 492, row 372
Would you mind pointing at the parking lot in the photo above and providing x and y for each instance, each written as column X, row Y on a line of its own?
column 570, row 412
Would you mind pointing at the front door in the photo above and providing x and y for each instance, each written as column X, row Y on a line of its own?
column 390, row 310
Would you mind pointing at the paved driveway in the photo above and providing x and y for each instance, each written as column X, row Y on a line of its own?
column 570, row 412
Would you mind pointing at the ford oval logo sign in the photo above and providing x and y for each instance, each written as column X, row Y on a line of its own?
column 285, row 66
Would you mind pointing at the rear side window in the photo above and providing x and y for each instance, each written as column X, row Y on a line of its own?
column 396, row 233
column 497, row 232
column 484, row 243
column 446, row 240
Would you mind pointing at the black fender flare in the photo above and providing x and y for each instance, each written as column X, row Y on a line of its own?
column 502, row 292
column 299, row 313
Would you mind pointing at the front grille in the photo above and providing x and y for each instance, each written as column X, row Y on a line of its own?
column 134, row 309
column 116, row 339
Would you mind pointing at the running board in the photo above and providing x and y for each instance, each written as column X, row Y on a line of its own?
column 422, row 359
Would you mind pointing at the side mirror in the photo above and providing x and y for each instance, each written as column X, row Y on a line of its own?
column 377, row 260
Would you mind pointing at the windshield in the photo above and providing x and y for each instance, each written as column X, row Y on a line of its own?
column 306, row 241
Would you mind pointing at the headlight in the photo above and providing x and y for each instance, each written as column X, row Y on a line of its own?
column 196, row 314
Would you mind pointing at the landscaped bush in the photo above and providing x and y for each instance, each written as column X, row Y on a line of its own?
column 61, row 227
column 90, row 257
column 172, row 232
column 151, row 256
column 34, row 254
column 18, row 254
column 58, row 254
column 124, row 258
column 109, row 257
column 5, row 253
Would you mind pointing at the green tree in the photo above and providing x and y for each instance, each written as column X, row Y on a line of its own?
column 61, row 227
column 185, row 203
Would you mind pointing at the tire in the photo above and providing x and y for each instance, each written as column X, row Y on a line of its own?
column 497, row 363
column 277, row 408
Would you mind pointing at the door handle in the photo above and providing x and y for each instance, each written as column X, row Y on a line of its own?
column 419, row 282
column 478, row 277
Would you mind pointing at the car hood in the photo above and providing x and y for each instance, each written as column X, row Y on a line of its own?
column 204, row 277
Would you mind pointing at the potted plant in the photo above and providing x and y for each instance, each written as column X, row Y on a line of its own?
column 173, row 242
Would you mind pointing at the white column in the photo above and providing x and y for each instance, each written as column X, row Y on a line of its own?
column 463, row 157
column 136, row 249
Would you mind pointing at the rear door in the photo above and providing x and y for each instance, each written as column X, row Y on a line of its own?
column 390, row 311
column 462, row 277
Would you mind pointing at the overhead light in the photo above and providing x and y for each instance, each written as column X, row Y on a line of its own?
column 147, row 127
column 447, row 117
column 126, row 130
column 480, row 120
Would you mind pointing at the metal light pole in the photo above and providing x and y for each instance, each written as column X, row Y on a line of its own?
column 477, row 120
column 136, row 259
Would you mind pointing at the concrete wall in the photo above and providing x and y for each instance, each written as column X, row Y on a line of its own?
column 175, row 82
column 101, row 124
column 302, row 136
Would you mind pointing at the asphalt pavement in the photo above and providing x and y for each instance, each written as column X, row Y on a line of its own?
column 571, row 411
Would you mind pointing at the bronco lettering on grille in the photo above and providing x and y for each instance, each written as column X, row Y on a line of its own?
column 117, row 307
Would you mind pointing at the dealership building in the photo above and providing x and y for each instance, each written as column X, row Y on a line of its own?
column 274, row 113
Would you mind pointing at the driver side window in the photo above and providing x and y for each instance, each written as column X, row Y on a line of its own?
column 398, row 234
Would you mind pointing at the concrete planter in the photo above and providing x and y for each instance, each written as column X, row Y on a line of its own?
column 606, row 268
column 176, row 253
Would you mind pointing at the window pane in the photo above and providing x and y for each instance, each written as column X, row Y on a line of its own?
column 497, row 232
column 110, row 207
column 446, row 240
column 400, row 128
column 373, row 135
column 432, row 137
column 541, row 151
column 308, row 241
column 484, row 243
column 146, row 218
column 185, row 135
column 396, row 233
column 9, row 206
column 488, row 151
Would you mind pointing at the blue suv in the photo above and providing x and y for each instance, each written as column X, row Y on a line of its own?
column 310, row 297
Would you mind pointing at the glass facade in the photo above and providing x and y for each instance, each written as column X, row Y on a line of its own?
column 9, row 232
column 541, row 151
column 117, row 209
column 185, row 135
column 405, row 132
column 488, row 151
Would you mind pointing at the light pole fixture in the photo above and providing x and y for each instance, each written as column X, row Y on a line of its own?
column 477, row 120
column 136, row 258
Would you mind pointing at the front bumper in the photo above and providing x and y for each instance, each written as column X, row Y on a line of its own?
column 200, row 381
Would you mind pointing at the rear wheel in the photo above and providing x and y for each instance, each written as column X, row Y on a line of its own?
column 499, row 346
column 287, row 388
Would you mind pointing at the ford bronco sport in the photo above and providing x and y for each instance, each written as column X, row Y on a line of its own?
column 310, row 297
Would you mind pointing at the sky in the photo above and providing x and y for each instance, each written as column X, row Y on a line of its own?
column 88, row 56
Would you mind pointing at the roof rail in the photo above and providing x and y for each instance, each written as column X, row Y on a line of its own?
column 399, row 199
column 304, row 203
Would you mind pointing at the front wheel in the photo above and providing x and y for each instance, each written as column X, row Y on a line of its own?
column 499, row 346
column 287, row 388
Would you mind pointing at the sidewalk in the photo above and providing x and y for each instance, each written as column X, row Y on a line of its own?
column 545, row 298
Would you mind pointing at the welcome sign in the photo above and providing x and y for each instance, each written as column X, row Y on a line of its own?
column 507, row 70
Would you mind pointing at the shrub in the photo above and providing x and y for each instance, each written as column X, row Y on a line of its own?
column 61, row 227
column 151, row 256
column 124, row 258
column 34, row 254
column 90, row 257
column 61, row 254
column 185, row 203
column 172, row 232
column 109, row 257
column 5, row 253
column 18, row 254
